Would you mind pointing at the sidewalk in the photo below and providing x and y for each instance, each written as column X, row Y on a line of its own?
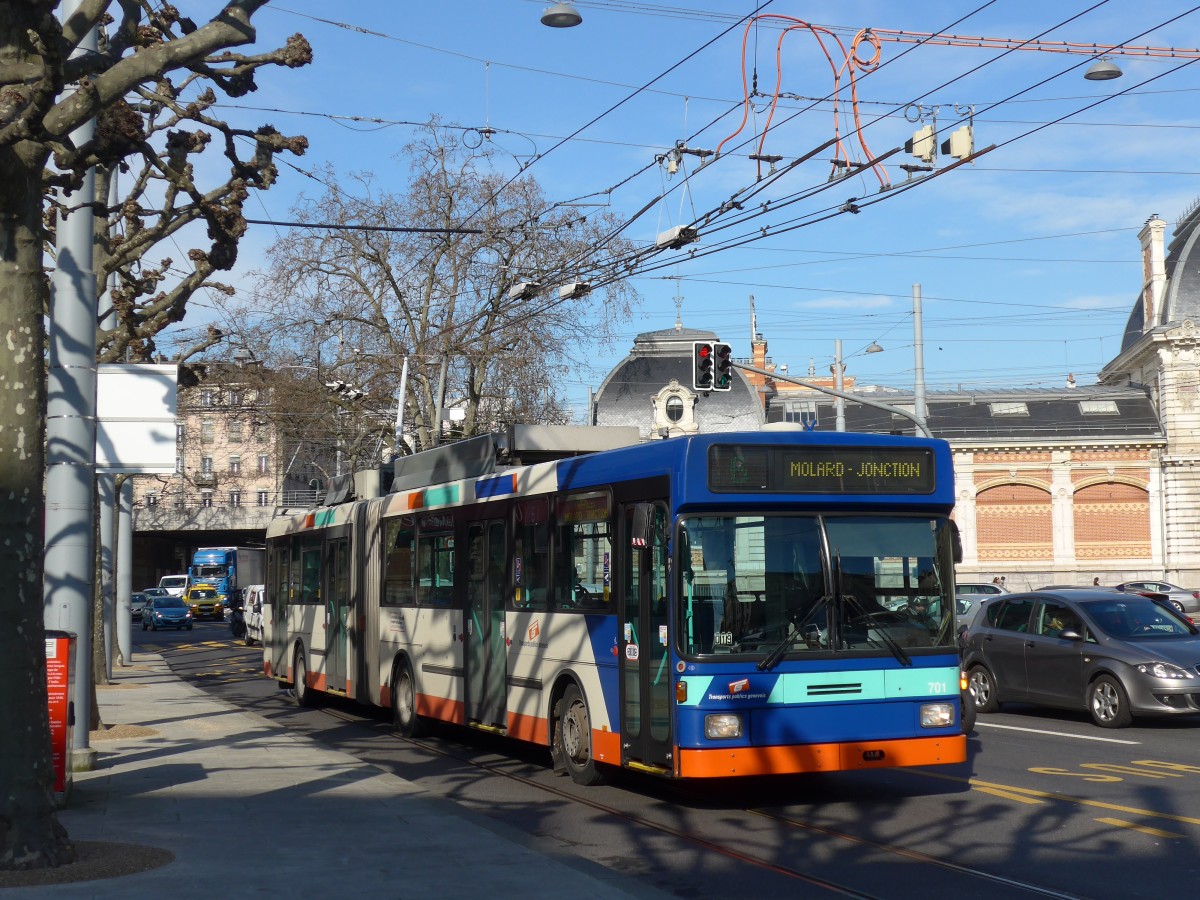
column 250, row 809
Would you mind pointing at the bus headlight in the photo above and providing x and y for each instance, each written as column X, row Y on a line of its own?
column 723, row 725
column 937, row 715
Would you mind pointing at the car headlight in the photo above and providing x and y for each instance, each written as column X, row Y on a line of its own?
column 723, row 725
column 937, row 715
column 1163, row 670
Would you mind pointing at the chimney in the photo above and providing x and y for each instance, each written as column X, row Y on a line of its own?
column 1154, row 268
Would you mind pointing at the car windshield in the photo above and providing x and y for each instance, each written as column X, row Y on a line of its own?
column 204, row 594
column 168, row 603
column 1136, row 617
column 766, row 585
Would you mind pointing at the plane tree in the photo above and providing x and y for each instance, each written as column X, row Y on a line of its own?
column 150, row 87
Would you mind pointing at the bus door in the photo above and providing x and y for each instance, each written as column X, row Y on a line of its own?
column 485, row 646
column 275, row 611
column 336, row 593
column 646, row 675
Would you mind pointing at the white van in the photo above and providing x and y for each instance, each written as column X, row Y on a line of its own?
column 252, row 611
column 175, row 585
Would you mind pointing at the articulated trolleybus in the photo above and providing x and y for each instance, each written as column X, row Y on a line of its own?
column 716, row 605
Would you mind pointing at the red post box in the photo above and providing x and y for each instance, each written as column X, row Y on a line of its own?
column 60, row 688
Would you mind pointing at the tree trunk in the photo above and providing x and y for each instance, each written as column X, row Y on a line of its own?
column 30, row 835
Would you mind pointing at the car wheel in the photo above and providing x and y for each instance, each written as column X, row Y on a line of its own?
column 983, row 686
column 304, row 695
column 572, row 746
column 154, row 626
column 404, row 703
column 189, row 626
column 1178, row 606
column 144, row 625
column 1108, row 703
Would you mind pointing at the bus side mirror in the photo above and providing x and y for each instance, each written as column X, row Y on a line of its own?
column 956, row 542
column 639, row 530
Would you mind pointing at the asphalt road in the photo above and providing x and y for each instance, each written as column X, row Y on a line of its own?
column 1047, row 804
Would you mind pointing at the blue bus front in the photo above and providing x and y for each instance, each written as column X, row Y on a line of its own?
column 813, row 585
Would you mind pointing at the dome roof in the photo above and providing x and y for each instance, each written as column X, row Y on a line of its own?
column 658, row 358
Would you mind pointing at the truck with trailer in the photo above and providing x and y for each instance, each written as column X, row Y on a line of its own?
column 228, row 569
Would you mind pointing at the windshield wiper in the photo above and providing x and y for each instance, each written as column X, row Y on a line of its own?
column 771, row 660
column 850, row 600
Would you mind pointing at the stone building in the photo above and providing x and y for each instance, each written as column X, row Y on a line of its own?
column 232, row 472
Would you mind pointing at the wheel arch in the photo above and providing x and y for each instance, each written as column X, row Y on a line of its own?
column 558, row 688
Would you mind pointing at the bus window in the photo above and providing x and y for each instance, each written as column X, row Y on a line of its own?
column 435, row 560
column 398, row 563
column 750, row 582
column 310, row 574
column 531, row 564
column 584, row 554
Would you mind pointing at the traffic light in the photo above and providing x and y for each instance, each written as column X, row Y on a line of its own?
column 722, row 367
column 702, row 365
column 922, row 144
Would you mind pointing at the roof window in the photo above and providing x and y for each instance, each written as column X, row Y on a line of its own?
column 1011, row 408
column 1099, row 408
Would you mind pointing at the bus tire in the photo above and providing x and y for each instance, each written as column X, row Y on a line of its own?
column 304, row 695
column 573, row 738
column 404, row 703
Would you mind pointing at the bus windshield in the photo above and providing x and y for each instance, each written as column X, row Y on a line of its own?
column 766, row 586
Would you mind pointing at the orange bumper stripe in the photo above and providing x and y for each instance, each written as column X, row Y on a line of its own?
column 606, row 747
column 846, row 757
column 446, row 710
column 529, row 728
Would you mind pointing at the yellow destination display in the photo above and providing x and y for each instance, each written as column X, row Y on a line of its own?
column 820, row 470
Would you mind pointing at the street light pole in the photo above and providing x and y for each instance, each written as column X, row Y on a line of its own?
column 919, row 360
column 840, row 402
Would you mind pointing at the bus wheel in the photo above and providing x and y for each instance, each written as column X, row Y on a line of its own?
column 404, row 703
column 304, row 695
column 573, row 738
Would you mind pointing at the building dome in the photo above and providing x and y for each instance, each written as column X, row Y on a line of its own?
column 652, row 389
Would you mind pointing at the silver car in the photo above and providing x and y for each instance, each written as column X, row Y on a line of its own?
column 1183, row 599
column 1115, row 655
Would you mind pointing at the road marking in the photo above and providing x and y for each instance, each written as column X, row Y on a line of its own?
column 1009, row 795
column 976, row 784
column 1144, row 829
column 1078, row 737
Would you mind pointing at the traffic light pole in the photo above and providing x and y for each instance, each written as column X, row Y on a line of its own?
column 857, row 398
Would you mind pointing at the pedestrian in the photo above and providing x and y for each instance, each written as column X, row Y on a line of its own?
column 996, row 580
column 1096, row 581
column 1002, row 584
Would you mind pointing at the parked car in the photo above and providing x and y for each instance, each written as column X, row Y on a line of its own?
column 979, row 587
column 967, row 606
column 252, row 612
column 1183, row 599
column 166, row 612
column 1115, row 655
column 137, row 602
column 155, row 592
column 204, row 602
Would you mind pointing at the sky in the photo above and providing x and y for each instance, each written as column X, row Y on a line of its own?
column 1028, row 257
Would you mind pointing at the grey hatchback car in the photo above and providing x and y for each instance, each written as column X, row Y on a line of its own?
column 1115, row 655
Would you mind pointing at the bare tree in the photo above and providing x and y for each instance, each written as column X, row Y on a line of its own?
column 154, row 71
column 436, row 278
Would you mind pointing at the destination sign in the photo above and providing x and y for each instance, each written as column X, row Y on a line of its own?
column 820, row 470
